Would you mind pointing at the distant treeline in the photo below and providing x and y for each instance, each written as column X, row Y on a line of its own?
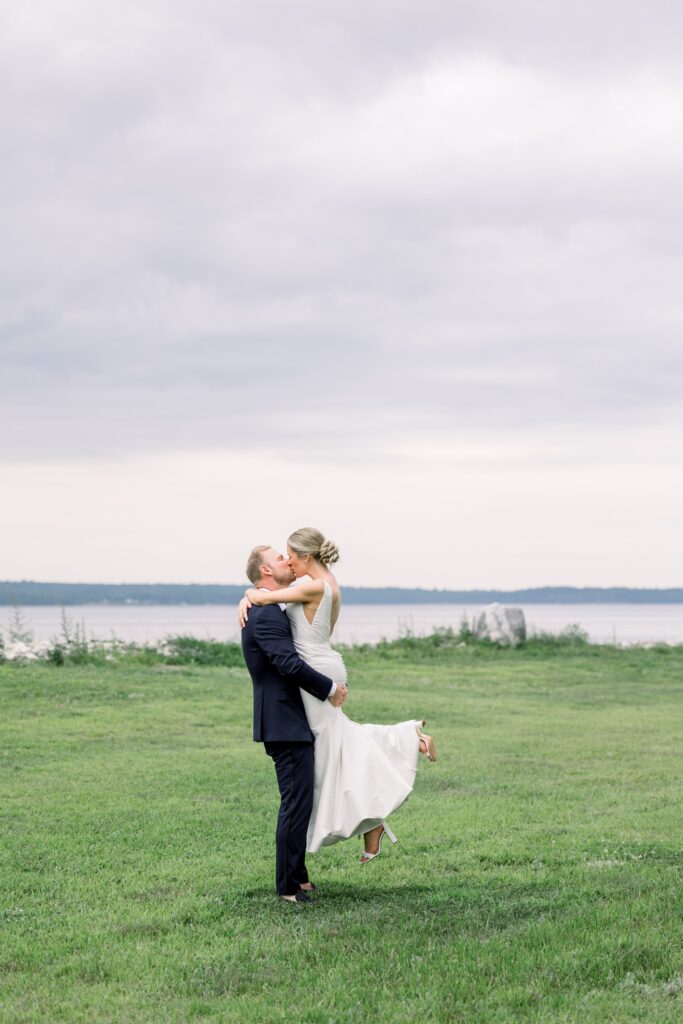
column 27, row 592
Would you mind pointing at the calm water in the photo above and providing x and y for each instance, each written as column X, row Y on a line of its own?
column 620, row 623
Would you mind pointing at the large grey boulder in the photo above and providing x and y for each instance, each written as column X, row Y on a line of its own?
column 501, row 625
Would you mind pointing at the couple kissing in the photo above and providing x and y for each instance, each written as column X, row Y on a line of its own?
column 337, row 778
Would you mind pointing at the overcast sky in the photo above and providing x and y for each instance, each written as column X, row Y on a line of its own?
column 411, row 273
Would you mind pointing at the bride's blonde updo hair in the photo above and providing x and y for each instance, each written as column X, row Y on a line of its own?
column 309, row 541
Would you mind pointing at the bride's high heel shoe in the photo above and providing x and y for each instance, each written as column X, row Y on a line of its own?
column 367, row 857
column 429, row 747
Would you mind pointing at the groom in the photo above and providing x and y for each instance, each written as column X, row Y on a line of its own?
column 280, row 721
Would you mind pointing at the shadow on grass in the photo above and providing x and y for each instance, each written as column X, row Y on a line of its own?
column 460, row 907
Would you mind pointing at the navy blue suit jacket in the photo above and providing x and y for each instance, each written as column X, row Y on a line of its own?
column 277, row 672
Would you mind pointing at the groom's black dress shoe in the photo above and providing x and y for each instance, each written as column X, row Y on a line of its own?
column 297, row 897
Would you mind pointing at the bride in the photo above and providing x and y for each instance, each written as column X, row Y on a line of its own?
column 362, row 772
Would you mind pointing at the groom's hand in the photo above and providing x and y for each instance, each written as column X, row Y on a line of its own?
column 339, row 695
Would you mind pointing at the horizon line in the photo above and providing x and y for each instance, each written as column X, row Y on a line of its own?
column 347, row 586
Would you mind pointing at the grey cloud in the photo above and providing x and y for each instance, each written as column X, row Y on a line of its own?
column 299, row 226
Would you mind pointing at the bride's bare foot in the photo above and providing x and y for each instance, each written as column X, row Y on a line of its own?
column 427, row 746
column 372, row 840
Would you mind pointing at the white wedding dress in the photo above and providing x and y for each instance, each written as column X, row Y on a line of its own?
column 362, row 772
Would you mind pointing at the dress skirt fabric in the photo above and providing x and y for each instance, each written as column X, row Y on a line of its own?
column 363, row 772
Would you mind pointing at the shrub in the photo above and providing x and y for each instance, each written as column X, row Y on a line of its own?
column 18, row 629
column 189, row 650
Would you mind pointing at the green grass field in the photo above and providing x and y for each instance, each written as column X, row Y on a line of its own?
column 537, row 875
